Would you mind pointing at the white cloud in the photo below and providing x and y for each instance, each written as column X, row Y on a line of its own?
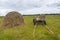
column 25, row 4
column 42, row 10
column 4, row 1
column 28, row 6
column 3, row 12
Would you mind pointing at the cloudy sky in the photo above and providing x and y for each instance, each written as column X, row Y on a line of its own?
column 29, row 6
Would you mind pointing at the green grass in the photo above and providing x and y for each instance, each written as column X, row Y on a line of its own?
column 26, row 32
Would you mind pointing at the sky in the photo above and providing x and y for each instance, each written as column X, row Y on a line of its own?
column 27, row 7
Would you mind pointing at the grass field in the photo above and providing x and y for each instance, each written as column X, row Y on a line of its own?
column 26, row 32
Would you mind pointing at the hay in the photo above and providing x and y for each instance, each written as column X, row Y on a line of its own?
column 42, row 16
column 13, row 19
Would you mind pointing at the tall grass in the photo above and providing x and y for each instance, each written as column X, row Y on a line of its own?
column 26, row 32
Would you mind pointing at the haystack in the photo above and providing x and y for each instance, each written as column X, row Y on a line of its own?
column 13, row 19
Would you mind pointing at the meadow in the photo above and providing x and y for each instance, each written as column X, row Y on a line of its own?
column 25, row 32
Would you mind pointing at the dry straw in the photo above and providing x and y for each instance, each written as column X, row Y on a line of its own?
column 13, row 19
